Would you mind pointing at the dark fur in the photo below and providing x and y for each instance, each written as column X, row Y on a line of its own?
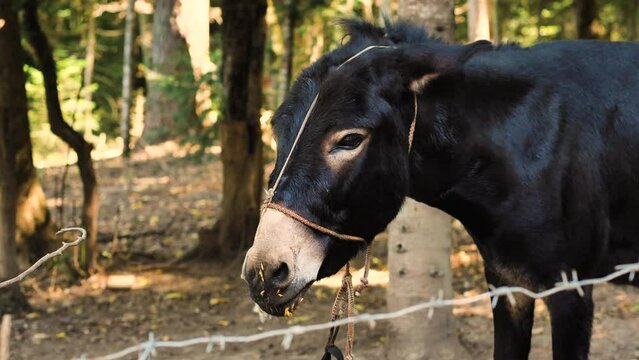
column 535, row 150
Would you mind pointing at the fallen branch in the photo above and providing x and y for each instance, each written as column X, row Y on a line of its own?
column 48, row 256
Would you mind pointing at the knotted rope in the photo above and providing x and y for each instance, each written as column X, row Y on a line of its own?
column 345, row 305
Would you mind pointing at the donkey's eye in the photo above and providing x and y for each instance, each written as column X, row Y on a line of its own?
column 350, row 141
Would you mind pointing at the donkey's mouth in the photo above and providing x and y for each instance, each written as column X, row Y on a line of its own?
column 288, row 307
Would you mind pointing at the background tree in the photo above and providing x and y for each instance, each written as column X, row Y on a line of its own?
column 243, row 41
column 194, row 24
column 13, row 116
column 127, row 78
column 59, row 127
column 169, row 76
column 586, row 15
column 34, row 224
column 288, row 16
column 419, row 242
column 89, row 66
column 478, row 20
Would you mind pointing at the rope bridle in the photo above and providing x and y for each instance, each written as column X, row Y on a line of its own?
column 345, row 298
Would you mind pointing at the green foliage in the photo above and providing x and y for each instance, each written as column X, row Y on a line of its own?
column 75, row 109
column 65, row 22
column 531, row 21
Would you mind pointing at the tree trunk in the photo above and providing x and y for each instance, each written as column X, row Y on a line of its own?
column 13, row 113
column 436, row 15
column 33, row 221
column 494, row 16
column 60, row 128
column 632, row 13
column 243, row 41
column 419, row 244
column 193, row 23
column 35, row 226
column 478, row 20
column 127, row 100
column 87, row 78
column 586, row 15
column 286, row 67
column 169, row 62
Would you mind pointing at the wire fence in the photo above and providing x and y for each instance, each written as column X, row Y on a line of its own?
column 149, row 348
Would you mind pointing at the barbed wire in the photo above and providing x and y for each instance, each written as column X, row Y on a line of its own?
column 150, row 346
column 47, row 257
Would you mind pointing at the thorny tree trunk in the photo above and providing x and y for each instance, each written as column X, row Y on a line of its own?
column 60, row 128
column 478, row 20
column 13, row 111
column 243, row 38
column 125, row 113
column 419, row 243
column 586, row 15
column 169, row 61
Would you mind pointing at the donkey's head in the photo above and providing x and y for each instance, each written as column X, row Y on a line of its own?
column 349, row 171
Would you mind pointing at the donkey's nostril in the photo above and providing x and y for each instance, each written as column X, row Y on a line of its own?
column 280, row 276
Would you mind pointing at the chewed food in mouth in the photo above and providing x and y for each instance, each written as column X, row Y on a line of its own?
column 285, row 308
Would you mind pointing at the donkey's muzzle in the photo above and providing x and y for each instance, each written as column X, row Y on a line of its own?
column 270, row 272
column 282, row 263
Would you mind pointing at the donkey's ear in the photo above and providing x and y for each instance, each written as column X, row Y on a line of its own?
column 426, row 61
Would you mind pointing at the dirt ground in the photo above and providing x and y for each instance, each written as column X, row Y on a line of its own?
column 152, row 209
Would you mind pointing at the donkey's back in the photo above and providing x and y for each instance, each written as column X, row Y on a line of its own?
column 582, row 113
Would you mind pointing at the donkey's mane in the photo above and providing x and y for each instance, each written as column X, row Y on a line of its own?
column 361, row 34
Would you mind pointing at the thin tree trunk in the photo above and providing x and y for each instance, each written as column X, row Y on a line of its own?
column 60, row 128
column 145, row 40
column 125, row 113
column 288, row 30
column 494, row 15
column 419, row 243
column 632, row 13
column 13, row 112
column 243, row 41
column 87, row 79
column 586, row 15
column 478, row 20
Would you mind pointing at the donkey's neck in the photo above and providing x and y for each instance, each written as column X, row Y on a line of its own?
column 449, row 167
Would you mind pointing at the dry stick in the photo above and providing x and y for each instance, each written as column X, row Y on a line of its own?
column 48, row 256
column 5, row 337
column 436, row 302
